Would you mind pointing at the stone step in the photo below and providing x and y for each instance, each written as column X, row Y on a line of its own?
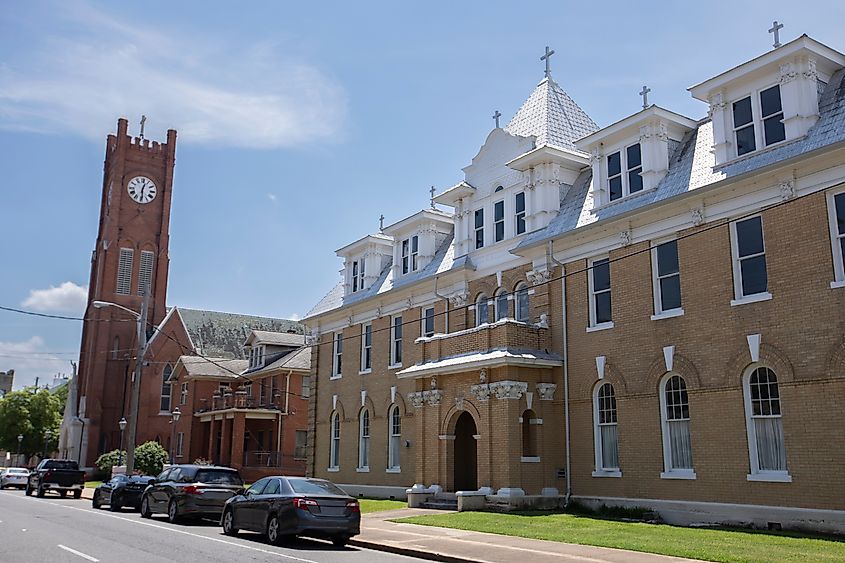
column 441, row 504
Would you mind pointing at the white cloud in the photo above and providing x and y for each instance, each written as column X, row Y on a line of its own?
column 272, row 197
column 67, row 298
column 212, row 93
column 29, row 359
column 295, row 317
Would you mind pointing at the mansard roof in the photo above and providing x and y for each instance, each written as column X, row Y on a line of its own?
column 550, row 115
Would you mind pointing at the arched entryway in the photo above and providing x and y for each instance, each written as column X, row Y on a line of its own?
column 466, row 456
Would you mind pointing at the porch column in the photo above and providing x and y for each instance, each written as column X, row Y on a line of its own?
column 238, row 428
column 212, row 438
column 506, row 445
column 226, row 442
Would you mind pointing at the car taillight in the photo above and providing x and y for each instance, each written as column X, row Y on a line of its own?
column 353, row 506
column 49, row 473
column 193, row 490
column 304, row 503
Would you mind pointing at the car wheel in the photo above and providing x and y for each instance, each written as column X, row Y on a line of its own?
column 77, row 494
column 173, row 515
column 274, row 535
column 228, row 524
column 114, row 504
column 40, row 492
column 145, row 508
column 340, row 541
column 95, row 501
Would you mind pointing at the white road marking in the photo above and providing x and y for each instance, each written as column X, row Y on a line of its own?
column 143, row 523
column 79, row 553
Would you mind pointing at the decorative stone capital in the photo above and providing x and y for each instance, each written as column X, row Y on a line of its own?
column 717, row 104
column 459, row 402
column 433, row 397
column 595, row 156
column 417, row 399
column 810, row 71
column 459, row 299
column 787, row 73
column 509, row 389
column 697, row 216
column 480, row 391
column 625, row 238
column 787, row 189
column 546, row 391
column 537, row 277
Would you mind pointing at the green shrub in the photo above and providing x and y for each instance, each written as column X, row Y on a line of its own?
column 150, row 458
column 108, row 460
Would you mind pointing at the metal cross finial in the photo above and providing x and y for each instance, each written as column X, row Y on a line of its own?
column 143, row 120
column 496, row 116
column 644, row 94
column 546, row 58
column 776, row 27
column 432, row 190
column 381, row 222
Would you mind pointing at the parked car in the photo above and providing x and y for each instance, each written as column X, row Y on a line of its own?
column 14, row 477
column 190, row 490
column 121, row 491
column 293, row 506
column 59, row 475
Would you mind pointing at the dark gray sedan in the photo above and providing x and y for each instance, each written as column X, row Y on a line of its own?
column 120, row 491
column 283, row 507
column 191, row 490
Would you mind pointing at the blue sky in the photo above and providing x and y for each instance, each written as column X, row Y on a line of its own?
column 299, row 126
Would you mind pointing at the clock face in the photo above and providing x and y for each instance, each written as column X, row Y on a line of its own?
column 141, row 189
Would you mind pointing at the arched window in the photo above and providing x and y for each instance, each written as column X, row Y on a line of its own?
column 334, row 448
column 765, row 424
column 364, row 440
column 482, row 314
column 115, row 350
column 502, row 302
column 394, row 421
column 522, row 305
column 606, row 435
column 165, row 388
column 674, row 414
column 529, row 434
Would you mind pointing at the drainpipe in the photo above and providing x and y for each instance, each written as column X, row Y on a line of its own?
column 550, row 256
column 446, row 326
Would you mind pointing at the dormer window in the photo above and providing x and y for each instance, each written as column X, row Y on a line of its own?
column 357, row 275
column 618, row 184
column 410, row 251
column 748, row 126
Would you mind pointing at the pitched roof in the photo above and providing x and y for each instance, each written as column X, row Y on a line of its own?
column 196, row 366
column 552, row 116
column 298, row 359
column 277, row 338
column 223, row 334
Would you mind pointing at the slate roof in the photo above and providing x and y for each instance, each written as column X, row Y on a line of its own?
column 223, row 334
column 279, row 338
column 552, row 116
column 212, row 367
column 298, row 359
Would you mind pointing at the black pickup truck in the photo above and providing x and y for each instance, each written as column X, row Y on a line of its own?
column 59, row 475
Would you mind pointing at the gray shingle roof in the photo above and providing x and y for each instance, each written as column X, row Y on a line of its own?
column 223, row 334
column 279, row 338
column 552, row 116
column 212, row 367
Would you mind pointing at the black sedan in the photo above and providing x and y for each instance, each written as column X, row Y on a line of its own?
column 283, row 507
column 191, row 490
column 120, row 491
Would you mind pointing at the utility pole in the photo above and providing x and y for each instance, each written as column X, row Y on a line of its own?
column 136, row 383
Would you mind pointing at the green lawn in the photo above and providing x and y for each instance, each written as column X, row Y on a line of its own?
column 378, row 505
column 697, row 543
column 93, row 484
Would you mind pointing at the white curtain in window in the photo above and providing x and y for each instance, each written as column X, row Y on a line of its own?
column 771, row 455
column 609, row 447
column 680, row 444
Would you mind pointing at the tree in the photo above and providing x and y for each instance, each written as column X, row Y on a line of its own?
column 35, row 415
column 109, row 459
column 150, row 458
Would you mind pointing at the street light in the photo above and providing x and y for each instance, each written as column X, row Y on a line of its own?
column 122, row 425
column 20, row 439
column 141, row 320
column 47, row 436
column 174, row 418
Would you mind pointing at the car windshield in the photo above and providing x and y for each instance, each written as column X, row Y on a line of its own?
column 218, row 477
column 140, row 479
column 315, row 487
column 61, row 464
column 18, row 471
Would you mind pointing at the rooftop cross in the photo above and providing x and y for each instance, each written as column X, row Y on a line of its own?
column 546, row 58
column 644, row 94
column 143, row 120
column 381, row 222
column 432, row 190
column 776, row 27
column 496, row 116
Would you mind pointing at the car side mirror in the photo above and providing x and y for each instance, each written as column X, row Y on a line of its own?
column 152, row 482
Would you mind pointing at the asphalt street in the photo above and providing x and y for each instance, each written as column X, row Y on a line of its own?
column 59, row 530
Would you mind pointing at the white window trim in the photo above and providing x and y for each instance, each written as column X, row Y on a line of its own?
column 623, row 163
column 475, row 230
column 503, row 221
column 599, row 470
column 364, row 370
column 836, row 249
column 393, row 363
column 594, row 326
column 180, row 444
column 530, row 459
column 332, row 437
column 668, row 472
column 393, row 470
column 518, row 214
column 756, row 474
column 392, row 467
column 366, row 467
column 659, row 311
column 333, row 469
column 422, row 322
column 337, row 373
column 739, row 298
column 756, row 120
column 490, row 305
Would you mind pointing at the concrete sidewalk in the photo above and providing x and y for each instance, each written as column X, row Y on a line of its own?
column 445, row 544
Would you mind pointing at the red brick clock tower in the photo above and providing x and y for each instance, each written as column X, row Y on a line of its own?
column 131, row 255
